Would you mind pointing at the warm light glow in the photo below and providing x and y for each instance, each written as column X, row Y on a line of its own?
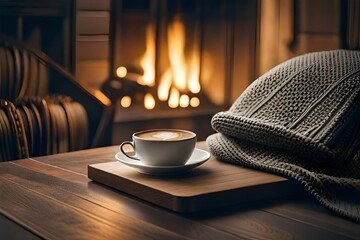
column 149, row 101
column 194, row 82
column 121, row 72
column 164, row 86
column 184, row 101
column 194, row 102
column 183, row 73
column 174, row 98
column 176, row 48
column 98, row 95
column 147, row 61
column 125, row 101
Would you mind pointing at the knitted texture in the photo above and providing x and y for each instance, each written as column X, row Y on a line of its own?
column 301, row 120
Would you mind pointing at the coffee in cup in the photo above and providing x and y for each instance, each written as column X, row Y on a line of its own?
column 162, row 147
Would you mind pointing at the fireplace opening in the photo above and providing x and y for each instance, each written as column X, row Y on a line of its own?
column 175, row 63
column 171, row 72
column 170, row 57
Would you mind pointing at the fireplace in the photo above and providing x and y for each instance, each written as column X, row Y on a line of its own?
column 177, row 59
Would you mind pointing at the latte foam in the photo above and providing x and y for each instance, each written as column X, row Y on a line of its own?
column 165, row 135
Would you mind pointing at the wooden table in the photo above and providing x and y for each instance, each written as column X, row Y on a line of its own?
column 51, row 197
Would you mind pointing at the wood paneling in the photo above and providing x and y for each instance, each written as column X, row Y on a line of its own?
column 92, row 48
column 92, row 41
column 292, row 27
column 93, row 22
column 244, row 48
column 93, row 5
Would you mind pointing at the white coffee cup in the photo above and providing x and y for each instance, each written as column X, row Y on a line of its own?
column 161, row 147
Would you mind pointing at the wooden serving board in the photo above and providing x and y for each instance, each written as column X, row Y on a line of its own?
column 211, row 185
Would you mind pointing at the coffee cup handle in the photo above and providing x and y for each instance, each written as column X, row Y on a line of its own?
column 125, row 153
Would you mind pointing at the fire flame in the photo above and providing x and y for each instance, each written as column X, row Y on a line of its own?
column 194, row 82
column 174, row 98
column 165, row 85
column 181, row 77
column 147, row 61
column 176, row 47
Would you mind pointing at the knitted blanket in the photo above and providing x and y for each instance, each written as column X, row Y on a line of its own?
column 301, row 120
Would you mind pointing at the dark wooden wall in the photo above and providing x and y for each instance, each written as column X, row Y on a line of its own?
column 288, row 28
column 43, row 25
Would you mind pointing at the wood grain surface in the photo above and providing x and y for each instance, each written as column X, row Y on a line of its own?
column 51, row 197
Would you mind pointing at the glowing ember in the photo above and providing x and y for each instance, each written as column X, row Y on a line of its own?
column 149, row 101
column 194, row 102
column 121, row 71
column 125, row 101
column 184, row 101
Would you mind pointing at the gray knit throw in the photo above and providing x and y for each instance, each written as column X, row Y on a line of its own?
column 301, row 120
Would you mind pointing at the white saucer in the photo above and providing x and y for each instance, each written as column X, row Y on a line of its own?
column 197, row 158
